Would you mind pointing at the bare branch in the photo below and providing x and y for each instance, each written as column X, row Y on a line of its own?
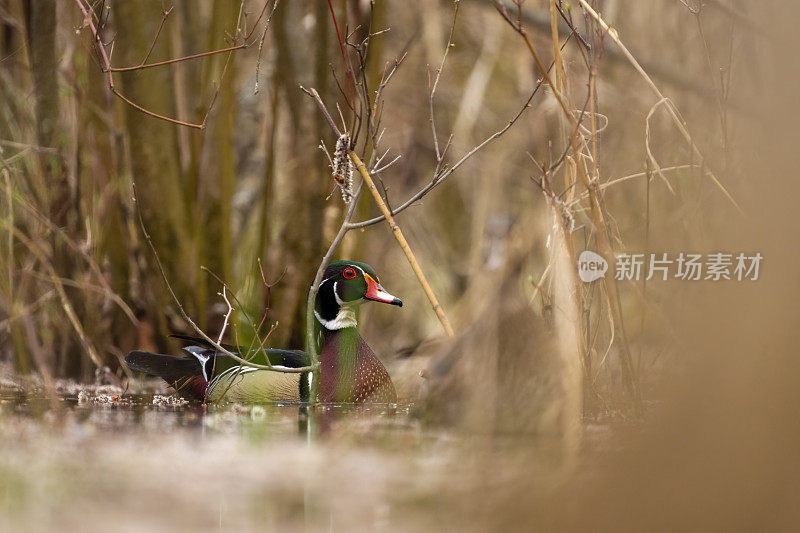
column 438, row 178
column 164, row 17
column 387, row 165
column 156, row 115
column 261, row 43
column 89, row 17
column 224, row 295
column 440, row 156
column 178, row 59
column 315, row 95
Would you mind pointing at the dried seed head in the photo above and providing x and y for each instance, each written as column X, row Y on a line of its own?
column 343, row 168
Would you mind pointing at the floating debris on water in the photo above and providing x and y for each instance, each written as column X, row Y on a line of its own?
column 169, row 401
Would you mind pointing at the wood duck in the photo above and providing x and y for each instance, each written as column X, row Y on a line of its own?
column 349, row 369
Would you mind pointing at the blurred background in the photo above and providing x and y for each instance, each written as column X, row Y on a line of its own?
column 612, row 405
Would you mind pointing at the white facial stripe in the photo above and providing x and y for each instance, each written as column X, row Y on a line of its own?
column 365, row 274
column 336, row 294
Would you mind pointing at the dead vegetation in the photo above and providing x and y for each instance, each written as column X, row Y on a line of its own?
column 497, row 141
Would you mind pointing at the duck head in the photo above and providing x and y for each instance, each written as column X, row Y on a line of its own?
column 344, row 286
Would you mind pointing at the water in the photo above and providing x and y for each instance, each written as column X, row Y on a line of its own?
column 98, row 459
column 89, row 460
column 108, row 412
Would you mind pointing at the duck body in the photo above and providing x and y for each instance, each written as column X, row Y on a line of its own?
column 349, row 369
column 351, row 372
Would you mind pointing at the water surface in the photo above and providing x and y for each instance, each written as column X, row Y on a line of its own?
column 99, row 459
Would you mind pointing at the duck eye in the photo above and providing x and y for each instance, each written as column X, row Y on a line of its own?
column 349, row 273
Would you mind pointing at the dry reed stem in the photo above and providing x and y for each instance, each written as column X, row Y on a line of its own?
column 53, row 277
column 673, row 112
column 569, row 179
column 651, row 159
column 62, row 296
column 606, row 185
column 597, row 216
column 104, row 286
column 398, row 234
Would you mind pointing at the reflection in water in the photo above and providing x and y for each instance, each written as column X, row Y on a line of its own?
column 147, row 413
column 86, row 461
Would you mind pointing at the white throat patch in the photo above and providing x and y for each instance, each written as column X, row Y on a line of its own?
column 345, row 318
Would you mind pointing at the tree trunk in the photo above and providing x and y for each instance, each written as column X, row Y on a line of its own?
column 154, row 161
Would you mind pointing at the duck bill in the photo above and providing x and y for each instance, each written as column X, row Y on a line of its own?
column 376, row 293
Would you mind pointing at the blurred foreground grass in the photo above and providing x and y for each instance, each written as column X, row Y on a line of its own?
column 128, row 465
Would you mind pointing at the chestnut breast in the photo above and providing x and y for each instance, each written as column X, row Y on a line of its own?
column 351, row 372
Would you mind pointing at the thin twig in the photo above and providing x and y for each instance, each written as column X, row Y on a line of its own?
column 398, row 234
column 178, row 59
column 387, row 165
column 156, row 115
column 324, row 110
column 673, row 111
column 440, row 156
column 191, row 322
column 224, row 295
column 69, row 310
column 164, row 17
column 437, row 179
column 597, row 213
column 106, row 67
column 105, row 61
column 604, row 186
column 261, row 43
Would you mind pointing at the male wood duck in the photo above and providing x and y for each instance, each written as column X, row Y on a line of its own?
column 349, row 369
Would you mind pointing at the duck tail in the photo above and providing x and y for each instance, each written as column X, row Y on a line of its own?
column 181, row 373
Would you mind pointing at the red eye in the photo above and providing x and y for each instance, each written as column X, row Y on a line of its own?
column 349, row 273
